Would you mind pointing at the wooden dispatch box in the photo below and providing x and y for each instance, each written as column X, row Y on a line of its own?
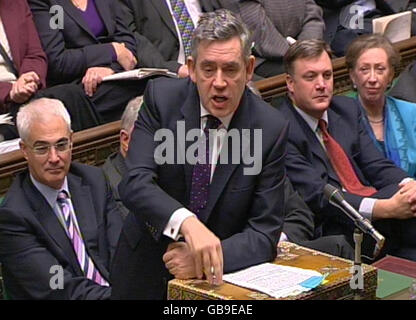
column 337, row 287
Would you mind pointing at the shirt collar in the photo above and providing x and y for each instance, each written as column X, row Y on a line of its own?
column 49, row 193
column 311, row 121
column 225, row 121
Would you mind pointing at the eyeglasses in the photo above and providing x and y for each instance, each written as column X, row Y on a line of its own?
column 44, row 149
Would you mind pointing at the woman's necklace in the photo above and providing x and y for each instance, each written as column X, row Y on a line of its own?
column 370, row 120
column 376, row 121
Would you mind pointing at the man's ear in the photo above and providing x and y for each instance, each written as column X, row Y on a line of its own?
column 191, row 63
column 23, row 147
column 124, row 140
column 250, row 67
column 289, row 83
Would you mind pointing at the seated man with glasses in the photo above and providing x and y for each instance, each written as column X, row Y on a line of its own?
column 59, row 224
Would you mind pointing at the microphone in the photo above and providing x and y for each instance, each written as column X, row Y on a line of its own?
column 337, row 199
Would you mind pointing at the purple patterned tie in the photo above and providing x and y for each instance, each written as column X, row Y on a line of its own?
column 185, row 24
column 74, row 234
column 201, row 174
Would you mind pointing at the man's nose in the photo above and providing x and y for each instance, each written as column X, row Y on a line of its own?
column 53, row 154
column 219, row 80
column 320, row 83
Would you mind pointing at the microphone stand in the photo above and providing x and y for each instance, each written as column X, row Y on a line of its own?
column 358, row 239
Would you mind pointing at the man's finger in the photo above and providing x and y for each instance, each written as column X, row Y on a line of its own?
column 169, row 255
column 198, row 265
column 207, row 266
column 219, row 271
column 216, row 268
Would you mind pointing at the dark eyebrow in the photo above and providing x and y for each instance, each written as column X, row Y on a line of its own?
column 309, row 73
column 207, row 62
column 41, row 142
column 231, row 65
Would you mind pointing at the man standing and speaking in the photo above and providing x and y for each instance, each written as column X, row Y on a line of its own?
column 203, row 219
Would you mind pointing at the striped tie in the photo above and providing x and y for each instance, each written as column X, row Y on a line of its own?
column 74, row 233
column 185, row 24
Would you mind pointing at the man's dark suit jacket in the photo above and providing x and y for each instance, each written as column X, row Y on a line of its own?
column 272, row 21
column 153, row 26
column 309, row 169
column 114, row 168
column 32, row 239
column 404, row 88
column 74, row 49
column 24, row 44
column 244, row 211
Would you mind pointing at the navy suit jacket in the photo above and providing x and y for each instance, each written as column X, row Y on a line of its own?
column 244, row 211
column 74, row 48
column 308, row 166
column 32, row 239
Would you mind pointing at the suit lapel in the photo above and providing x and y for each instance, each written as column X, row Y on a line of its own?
column 192, row 116
column 103, row 10
column 49, row 221
column 10, row 26
column 75, row 14
column 162, row 7
column 81, row 198
column 316, row 146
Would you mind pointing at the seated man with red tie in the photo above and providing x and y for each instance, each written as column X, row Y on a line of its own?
column 59, row 224
column 328, row 145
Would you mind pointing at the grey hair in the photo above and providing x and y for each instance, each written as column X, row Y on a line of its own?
column 130, row 113
column 221, row 25
column 39, row 110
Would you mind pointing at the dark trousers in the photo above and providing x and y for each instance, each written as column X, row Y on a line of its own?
column 111, row 97
column 80, row 107
column 334, row 245
column 138, row 271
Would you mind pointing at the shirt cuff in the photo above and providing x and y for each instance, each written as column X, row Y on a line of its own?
column 113, row 54
column 175, row 222
column 406, row 180
column 366, row 208
column 283, row 237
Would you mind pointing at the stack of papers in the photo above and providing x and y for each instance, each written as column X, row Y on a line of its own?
column 276, row 280
column 9, row 145
column 6, row 118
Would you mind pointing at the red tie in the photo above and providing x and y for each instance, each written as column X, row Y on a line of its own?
column 342, row 165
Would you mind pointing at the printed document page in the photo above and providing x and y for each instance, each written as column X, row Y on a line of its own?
column 276, row 280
